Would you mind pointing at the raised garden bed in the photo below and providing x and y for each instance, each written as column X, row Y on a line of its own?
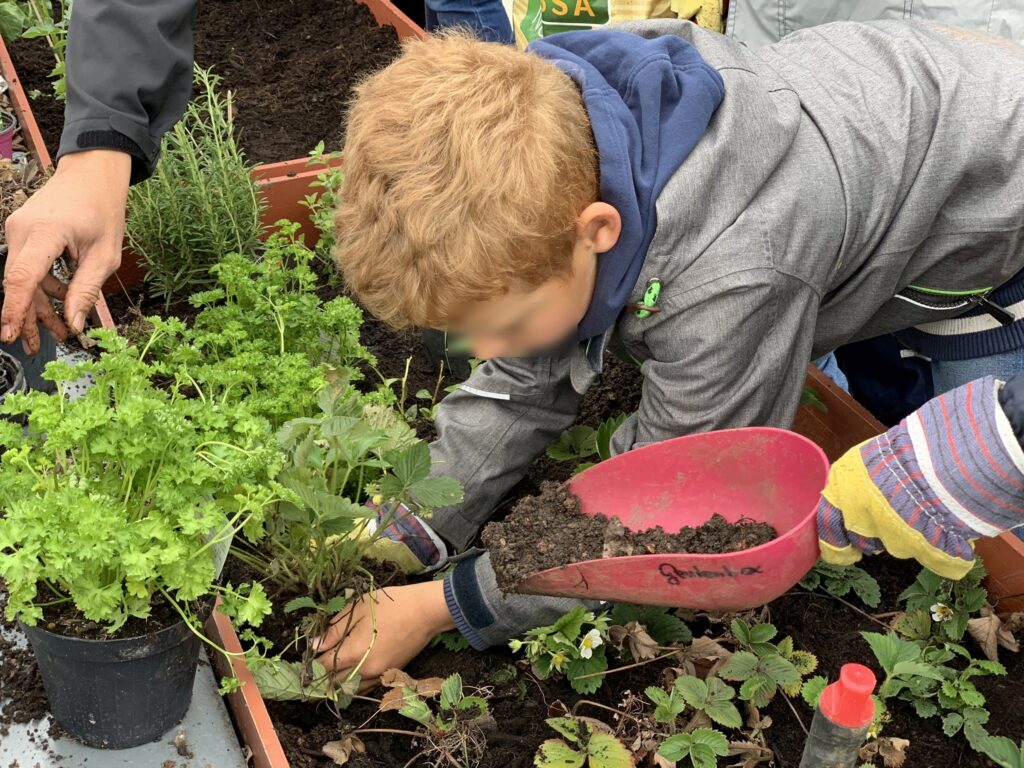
column 817, row 622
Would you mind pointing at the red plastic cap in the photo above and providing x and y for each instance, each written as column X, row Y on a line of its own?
column 847, row 702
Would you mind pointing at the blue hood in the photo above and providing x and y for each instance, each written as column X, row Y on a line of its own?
column 649, row 102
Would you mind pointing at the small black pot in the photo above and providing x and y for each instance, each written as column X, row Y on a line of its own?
column 12, row 375
column 115, row 694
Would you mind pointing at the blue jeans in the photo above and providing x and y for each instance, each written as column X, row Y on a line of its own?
column 830, row 367
column 950, row 374
column 486, row 18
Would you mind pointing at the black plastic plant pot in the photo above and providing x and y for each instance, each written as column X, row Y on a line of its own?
column 12, row 375
column 115, row 694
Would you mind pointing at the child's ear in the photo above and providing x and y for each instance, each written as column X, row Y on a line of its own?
column 600, row 224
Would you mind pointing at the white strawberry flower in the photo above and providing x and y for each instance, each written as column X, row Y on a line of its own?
column 590, row 641
column 941, row 612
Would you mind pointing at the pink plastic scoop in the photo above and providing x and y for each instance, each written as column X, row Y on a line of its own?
column 767, row 475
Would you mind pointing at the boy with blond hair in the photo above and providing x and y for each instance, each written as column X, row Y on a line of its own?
column 719, row 215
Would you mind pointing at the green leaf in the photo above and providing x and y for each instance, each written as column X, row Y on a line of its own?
column 761, row 633
column 891, row 650
column 416, row 708
column 712, row 739
column 571, row 623
column 451, row 691
column 916, row 669
column 740, row 666
column 812, row 690
column 661, row 625
column 411, row 464
column 577, row 668
column 568, row 727
column 694, row 691
column 299, row 603
column 925, row 708
column 759, row 690
column 436, row 492
column 952, row 723
column 606, row 751
column 719, row 705
column 555, row 753
column 575, row 443
column 780, row 670
column 676, row 748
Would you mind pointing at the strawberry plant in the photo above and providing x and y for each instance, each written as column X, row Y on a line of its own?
column 840, row 580
column 581, row 443
column 950, row 603
column 125, row 497
column 583, row 743
column 765, row 667
column 711, row 698
column 574, row 646
column 701, row 748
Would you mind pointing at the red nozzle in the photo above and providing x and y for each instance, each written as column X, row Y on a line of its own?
column 847, row 702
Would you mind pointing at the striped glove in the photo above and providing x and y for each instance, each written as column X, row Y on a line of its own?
column 951, row 472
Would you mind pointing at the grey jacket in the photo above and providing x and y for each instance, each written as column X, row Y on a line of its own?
column 845, row 164
column 762, row 22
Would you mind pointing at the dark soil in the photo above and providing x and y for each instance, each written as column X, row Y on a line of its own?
column 64, row 619
column 21, row 687
column 33, row 61
column 519, row 702
column 549, row 530
column 291, row 67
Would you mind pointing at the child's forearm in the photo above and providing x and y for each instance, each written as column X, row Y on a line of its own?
column 485, row 616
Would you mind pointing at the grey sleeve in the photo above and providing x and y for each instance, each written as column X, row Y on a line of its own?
column 730, row 353
column 129, row 76
column 492, row 428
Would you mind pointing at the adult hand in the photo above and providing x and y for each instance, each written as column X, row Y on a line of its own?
column 394, row 624
column 80, row 210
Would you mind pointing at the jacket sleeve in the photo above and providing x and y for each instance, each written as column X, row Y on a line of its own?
column 129, row 76
column 492, row 428
column 728, row 353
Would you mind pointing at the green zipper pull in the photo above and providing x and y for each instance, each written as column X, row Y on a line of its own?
column 647, row 306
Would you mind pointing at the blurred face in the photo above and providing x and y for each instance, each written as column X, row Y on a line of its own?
column 521, row 323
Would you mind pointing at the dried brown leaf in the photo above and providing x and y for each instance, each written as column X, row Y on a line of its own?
column 396, row 678
column 893, row 751
column 752, row 754
column 394, row 700
column 634, row 637
column 341, row 751
column 991, row 634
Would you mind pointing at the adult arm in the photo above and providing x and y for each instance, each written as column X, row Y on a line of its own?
column 129, row 77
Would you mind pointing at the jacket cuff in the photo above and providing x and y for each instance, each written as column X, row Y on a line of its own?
column 461, row 622
column 116, row 134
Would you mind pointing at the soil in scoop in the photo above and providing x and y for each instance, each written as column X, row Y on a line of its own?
column 290, row 67
column 549, row 530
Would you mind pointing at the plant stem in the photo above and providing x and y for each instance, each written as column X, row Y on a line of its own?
column 629, row 666
column 796, row 715
column 393, row 731
column 848, row 604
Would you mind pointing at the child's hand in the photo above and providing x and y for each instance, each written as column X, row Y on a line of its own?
column 399, row 622
column 951, row 472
